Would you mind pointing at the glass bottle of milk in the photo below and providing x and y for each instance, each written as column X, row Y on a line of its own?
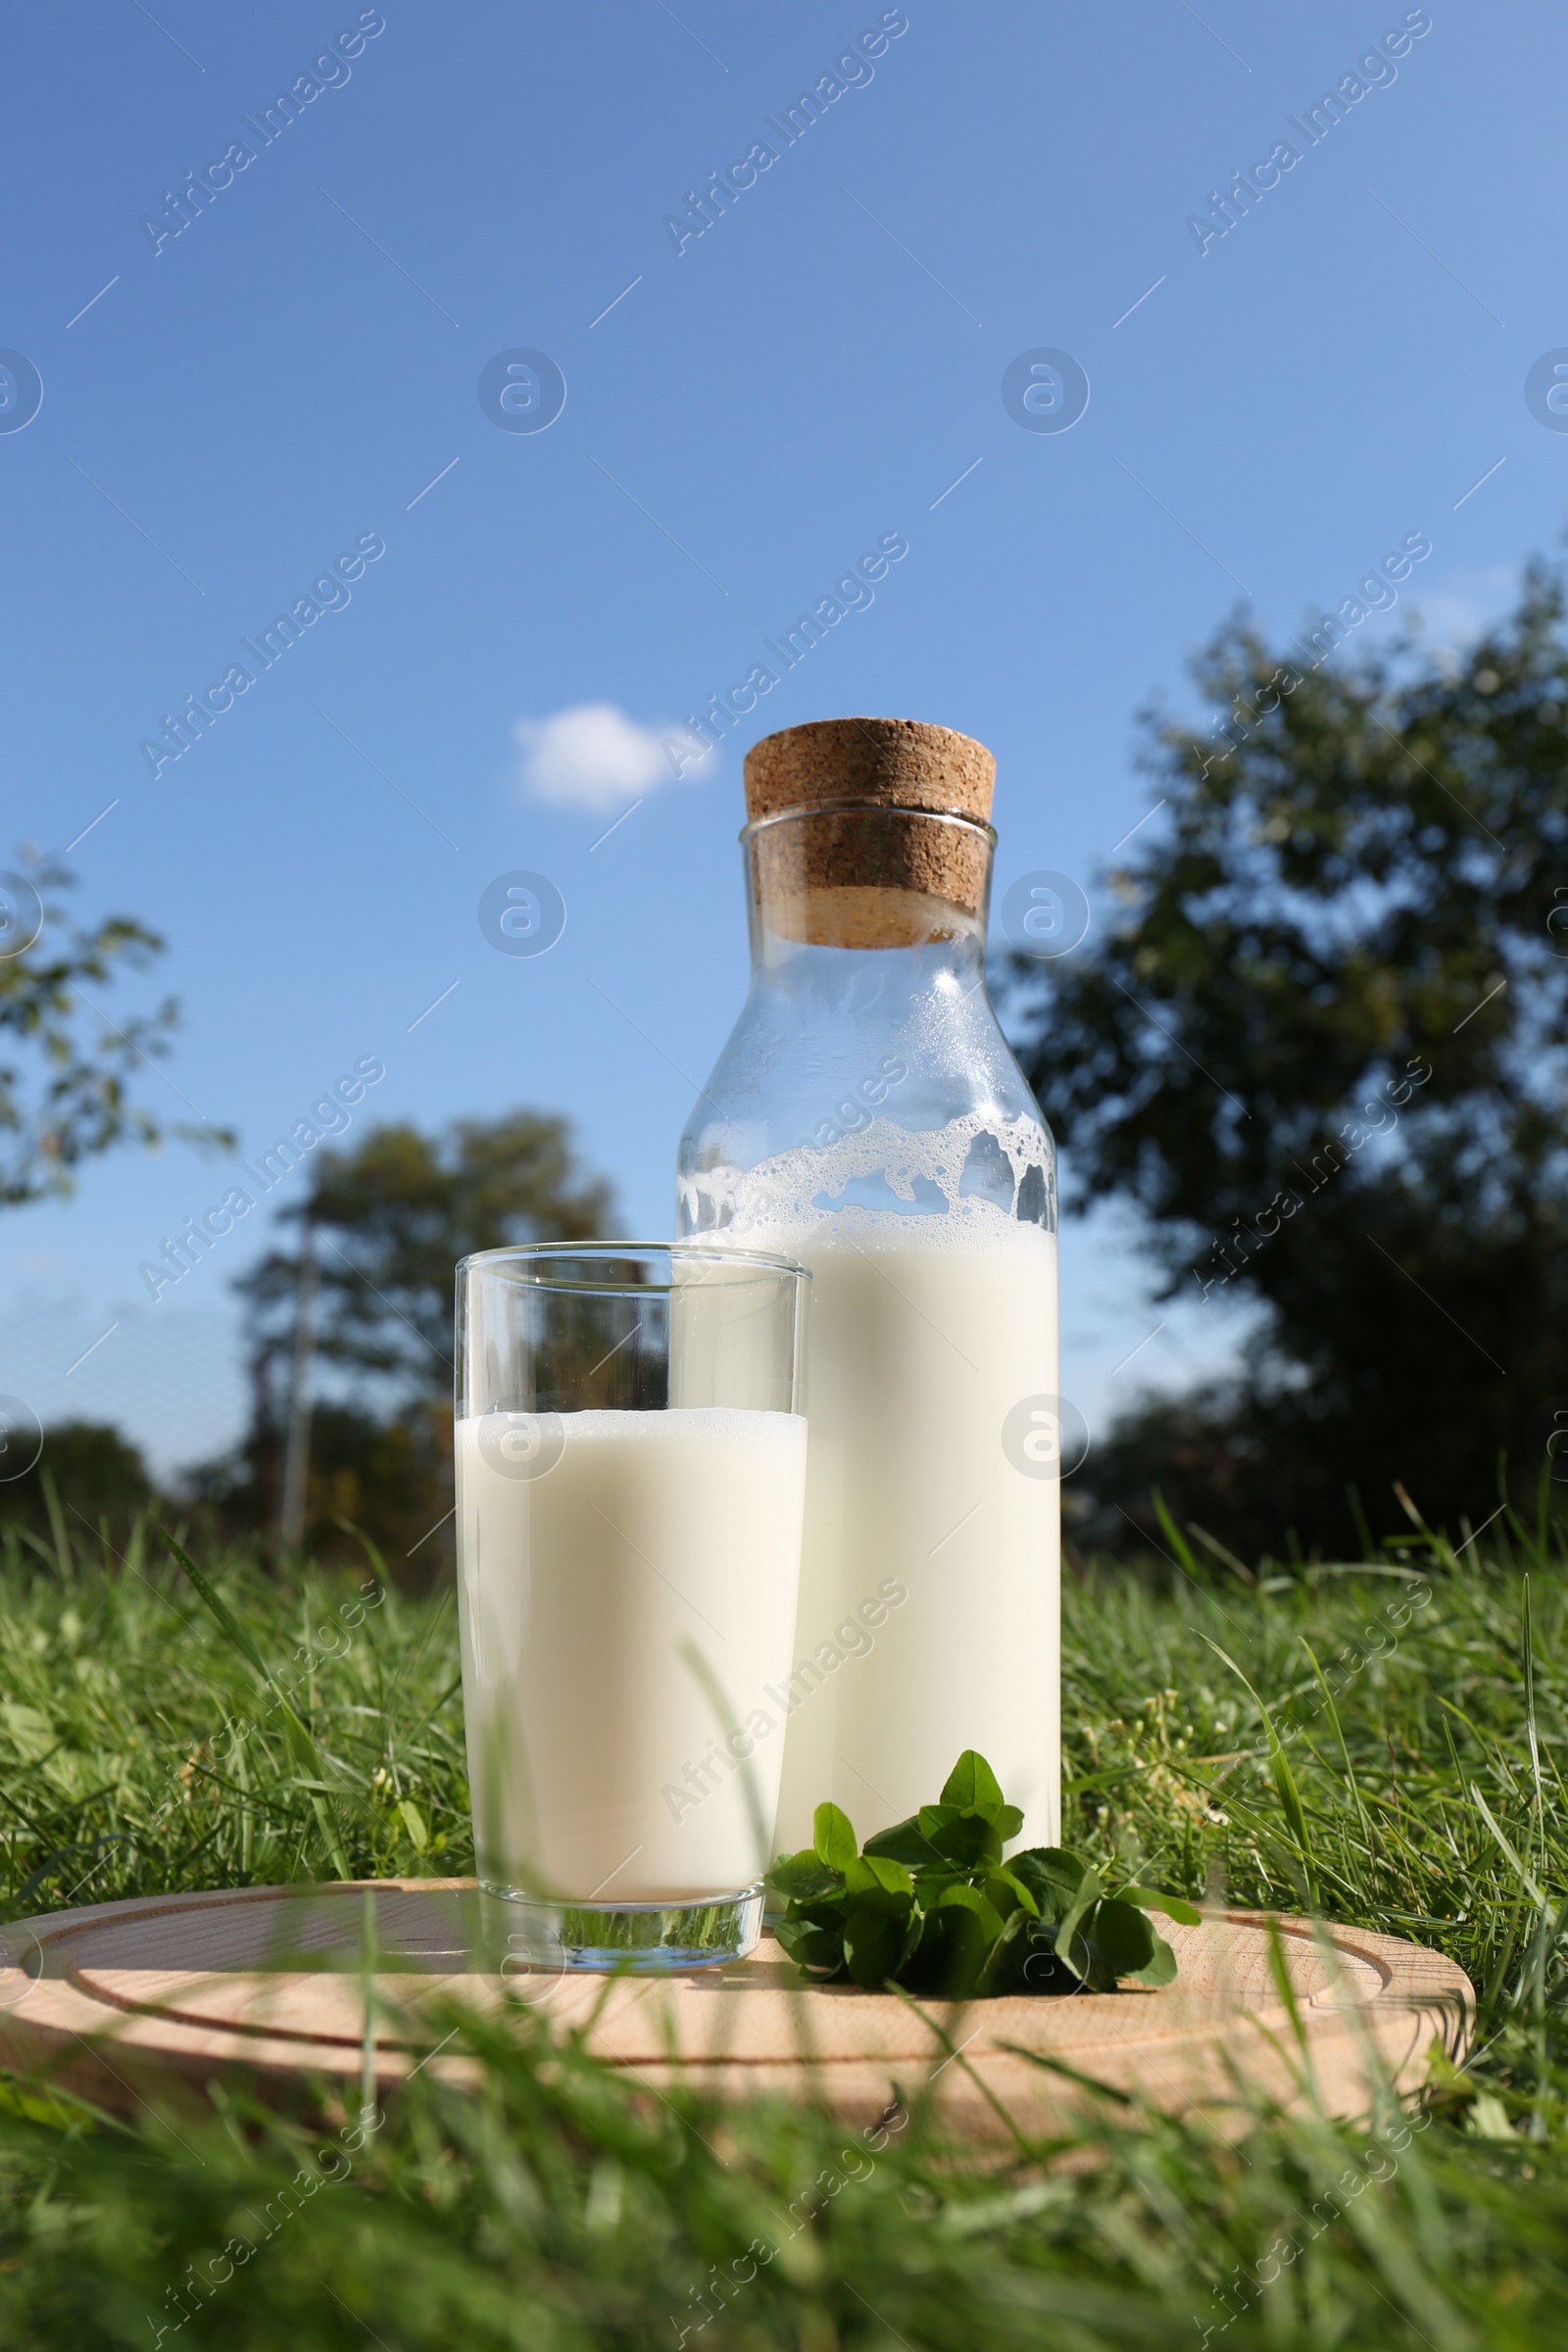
column 867, row 1118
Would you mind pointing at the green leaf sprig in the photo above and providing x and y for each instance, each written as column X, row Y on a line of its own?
column 931, row 1907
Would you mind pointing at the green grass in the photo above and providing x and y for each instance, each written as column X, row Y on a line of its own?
column 1417, row 1792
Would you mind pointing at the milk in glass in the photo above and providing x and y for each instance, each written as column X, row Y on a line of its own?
column 620, row 1615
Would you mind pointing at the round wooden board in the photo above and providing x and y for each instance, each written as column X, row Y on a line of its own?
column 123, row 2000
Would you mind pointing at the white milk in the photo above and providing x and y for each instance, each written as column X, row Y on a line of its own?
column 619, row 1616
column 927, row 1330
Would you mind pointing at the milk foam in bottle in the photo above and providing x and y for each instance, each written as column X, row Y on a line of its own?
column 867, row 1118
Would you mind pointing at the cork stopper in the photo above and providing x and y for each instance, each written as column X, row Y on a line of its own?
column 897, row 763
column 856, row 843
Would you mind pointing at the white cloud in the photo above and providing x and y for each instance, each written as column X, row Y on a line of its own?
column 593, row 756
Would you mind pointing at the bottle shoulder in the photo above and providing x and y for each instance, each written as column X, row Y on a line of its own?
column 912, row 1107
column 793, row 1071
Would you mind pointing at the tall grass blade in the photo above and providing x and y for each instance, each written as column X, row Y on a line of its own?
column 1520, row 1872
column 1284, row 1779
column 308, row 1757
column 1173, row 1535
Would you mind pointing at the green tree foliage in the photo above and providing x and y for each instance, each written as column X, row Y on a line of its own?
column 1323, row 1052
column 87, row 1476
column 391, row 1219
column 389, row 1476
column 76, row 1103
column 387, row 1223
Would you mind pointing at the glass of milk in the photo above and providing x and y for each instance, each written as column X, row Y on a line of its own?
column 630, row 1444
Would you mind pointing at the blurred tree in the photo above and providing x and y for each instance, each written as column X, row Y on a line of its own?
column 86, row 1475
column 1323, row 1052
column 78, row 1105
column 386, row 1224
column 389, row 1478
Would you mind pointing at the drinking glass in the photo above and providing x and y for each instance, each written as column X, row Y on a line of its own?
column 630, row 1444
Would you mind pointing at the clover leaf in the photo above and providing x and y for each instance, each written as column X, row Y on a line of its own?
column 905, row 1842
column 972, row 1782
column 930, row 1905
column 833, row 1837
column 804, row 1879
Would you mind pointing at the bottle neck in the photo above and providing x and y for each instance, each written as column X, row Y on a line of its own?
column 891, row 883
column 882, row 983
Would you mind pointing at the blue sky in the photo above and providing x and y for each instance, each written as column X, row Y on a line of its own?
column 296, row 374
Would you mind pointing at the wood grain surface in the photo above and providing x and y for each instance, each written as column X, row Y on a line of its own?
column 125, row 2001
